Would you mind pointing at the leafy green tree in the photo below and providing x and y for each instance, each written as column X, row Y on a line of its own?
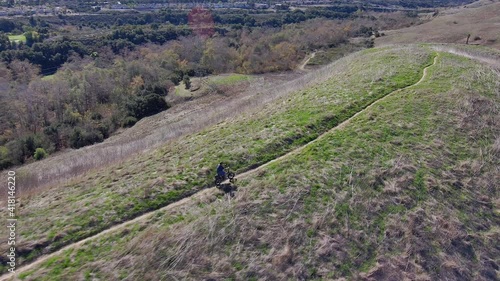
column 30, row 38
column 7, row 25
column 32, row 21
column 81, row 137
column 147, row 105
column 5, row 160
column 4, row 42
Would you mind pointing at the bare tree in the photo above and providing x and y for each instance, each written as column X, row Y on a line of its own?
column 23, row 71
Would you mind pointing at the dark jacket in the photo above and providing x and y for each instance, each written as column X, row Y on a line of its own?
column 220, row 170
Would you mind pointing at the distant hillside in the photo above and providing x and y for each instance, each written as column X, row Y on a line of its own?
column 386, row 170
column 481, row 21
column 381, row 3
column 418, row 3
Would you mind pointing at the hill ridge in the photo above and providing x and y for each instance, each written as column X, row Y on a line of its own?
column 204, row 192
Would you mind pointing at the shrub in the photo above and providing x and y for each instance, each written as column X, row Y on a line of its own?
column 80, row 137
column 53, row 134
column 30, row 143
column 147, row 105
column 104, row 128
column 40, row 153
column 95, row 116
column 71, row 117
column 158, row 90
column 129, row 121
column 5, row 160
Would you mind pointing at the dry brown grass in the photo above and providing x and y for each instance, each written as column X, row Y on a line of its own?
column 453, row 26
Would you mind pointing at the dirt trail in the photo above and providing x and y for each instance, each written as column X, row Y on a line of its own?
column 206, row 192
column 339, row 126
column 144, row 217
column 302, row 66
column 491, row 61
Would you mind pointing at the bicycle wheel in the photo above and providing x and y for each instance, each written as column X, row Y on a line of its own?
column 218, row 181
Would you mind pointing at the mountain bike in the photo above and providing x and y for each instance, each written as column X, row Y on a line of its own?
column 229, row 175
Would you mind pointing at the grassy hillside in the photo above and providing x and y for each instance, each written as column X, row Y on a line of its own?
column 453, row 26
column 406, row 189
column 186, row 166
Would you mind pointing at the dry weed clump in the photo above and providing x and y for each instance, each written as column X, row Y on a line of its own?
column 395, row 268
column 284, row 258
column 149, row 186
column 398, row 177
column 414, row 241
column 479, row 116
column 435, row 242
column 331, row 247
column 182, row 249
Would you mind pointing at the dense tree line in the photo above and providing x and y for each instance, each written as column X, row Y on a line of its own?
column 10, row 26
column 138, row 35
column 80, row 105
column 130, row 31
column 50, row 55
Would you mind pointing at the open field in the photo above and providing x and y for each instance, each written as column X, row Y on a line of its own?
column 481, row 21
column 230, row 79
column 183, row 167
column 17, row 38
column 406, row 189
column 205, row 85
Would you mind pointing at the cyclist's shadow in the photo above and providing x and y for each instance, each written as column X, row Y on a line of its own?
column 228, row 188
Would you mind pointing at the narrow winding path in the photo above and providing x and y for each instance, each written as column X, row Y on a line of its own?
column 205, row 192
column 339, row 126
column 302, row 66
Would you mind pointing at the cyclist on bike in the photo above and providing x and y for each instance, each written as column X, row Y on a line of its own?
column 220, row 171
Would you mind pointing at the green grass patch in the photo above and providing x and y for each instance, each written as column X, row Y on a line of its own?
column 48, row 77
column 24, row 275
column 323, row 57
column 229, row 79
column 17, row 38
column 181, row 91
